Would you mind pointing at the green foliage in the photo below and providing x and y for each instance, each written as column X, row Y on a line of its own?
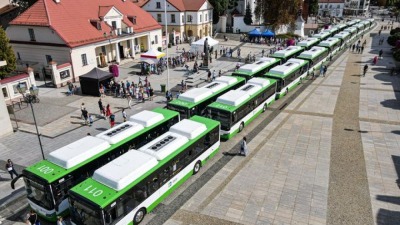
column 278, row 12
column 396, row 54
column 395, row 31
column 313, row 7
column 220, row 7
column 7, row 54
column 392, row 39
column 247, row 17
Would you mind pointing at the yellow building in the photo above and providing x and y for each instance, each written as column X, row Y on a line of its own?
column 185, row 18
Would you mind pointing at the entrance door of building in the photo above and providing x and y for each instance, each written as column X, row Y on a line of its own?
column 121, row 51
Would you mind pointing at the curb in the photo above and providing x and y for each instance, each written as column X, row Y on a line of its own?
column 16, row 196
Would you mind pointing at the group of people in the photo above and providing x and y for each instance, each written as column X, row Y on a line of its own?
column 130, row 90
column 358, row 47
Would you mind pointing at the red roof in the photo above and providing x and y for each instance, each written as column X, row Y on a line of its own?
column 63, row 65
column 14, row 78
column 181, row 5
column 70, row 17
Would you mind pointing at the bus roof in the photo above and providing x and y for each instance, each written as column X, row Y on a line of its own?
column 107, row 194
column 288, row 67
column 120, row 132
column 342, row 34
column 359, row 25
column 78, row 151
column 287, row 51
column 331, row 30
column 147, row 118
column 232, row 99
column 328, row 42
column 350, row 29
column 340, row 25
column 307, row 42
column 256, row 66
column 350, row 23
column 59, row 171
column 313, row 52
column 125, row 169
column 188, row 128
column 195, row 95
column 321, row 35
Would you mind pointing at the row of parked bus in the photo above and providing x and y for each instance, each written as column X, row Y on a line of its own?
column 121, row 174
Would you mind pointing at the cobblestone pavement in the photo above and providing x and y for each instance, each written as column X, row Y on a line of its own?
column 286, row 178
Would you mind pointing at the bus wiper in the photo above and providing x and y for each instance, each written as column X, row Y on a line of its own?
column 15, row 180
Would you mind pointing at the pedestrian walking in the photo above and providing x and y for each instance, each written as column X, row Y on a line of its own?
column 375, row 60
column 10, row 168
column 32, row 218
column 129, row 98
column 362, row 49
column 101, row 107
column 325, row 69
column 380, row 54
column 321, row 70
column 262, row 53
column 85, row 115
column 209, row 76
column 353, row 47
column 219, row 73
column 213, row 75
column 108, row 110
column 82, row 107
column 60, row 220
column 112, row 120
column 365, row 70
column 90, row 120
column 124, row 115
column 151, row 91
column 243, row 147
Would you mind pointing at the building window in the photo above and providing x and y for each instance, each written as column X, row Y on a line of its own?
column 183, row 18
column 172, row 18
column 201, row 19
column 32, row 34
column 22, row 84
column 338, row 6
column 189, row 18
column 159, row 18
column 5, row 93
column 158, row 5
column 48, row 59
column 205, row 18
column 114, row 24
column 156, row 39
column 84, row 60
column 18, row 56
column 103, row 49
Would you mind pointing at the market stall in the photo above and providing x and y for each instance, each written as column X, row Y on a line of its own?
column 90, row 82
column 198, row 46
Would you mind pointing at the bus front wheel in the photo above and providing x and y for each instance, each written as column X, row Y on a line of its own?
column 241, row 127
column 197, row 167
column 139, row 216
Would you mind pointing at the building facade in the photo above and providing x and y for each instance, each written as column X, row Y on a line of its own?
column 331, row 8
column 185, row 18
column 64, row 39
column 356, row 7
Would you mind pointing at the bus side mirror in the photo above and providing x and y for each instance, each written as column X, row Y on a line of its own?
column 15, row 180
column 108, row 218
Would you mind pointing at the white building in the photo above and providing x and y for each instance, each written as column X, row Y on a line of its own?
column 356, row 7
column 185, row 18
column 331, row 8
column 63, row 39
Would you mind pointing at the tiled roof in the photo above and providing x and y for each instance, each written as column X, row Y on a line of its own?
column 13, row 78
column 70, row 17
column 181, row 5
column 193, row 5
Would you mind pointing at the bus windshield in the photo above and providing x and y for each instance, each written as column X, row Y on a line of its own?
column 220, row 115
column 182, row 110
column 39, row 194
column 84, row 214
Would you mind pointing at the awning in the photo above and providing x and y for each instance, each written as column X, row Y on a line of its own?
column 153, row 54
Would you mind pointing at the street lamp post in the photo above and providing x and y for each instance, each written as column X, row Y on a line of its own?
column 29, row 98
column 166, row 40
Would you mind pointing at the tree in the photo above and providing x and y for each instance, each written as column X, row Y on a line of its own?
column 220, row 7
column 248, row 20
column 275, row 13
column 313, row 7
column 7, row 54
column 382, row 2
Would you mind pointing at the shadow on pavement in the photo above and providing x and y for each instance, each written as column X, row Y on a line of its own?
column 391, row 103
column 387, row 217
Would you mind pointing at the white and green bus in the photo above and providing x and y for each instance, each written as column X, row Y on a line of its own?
column 332, row 31
column 256, row 69
column 315, row 56
column 288, row 53
column 288, row 75
column 341, row 26
column 351, row 23
column 308, row 43
column 194, row 101
column 332, row 44
column 322, row 35
column 343, row 36
column 237, row 108
column 360, row 28
column 48, row 181
column 352, row 31
column 126, row 189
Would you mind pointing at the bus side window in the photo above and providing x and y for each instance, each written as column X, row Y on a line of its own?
column 140, row 193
